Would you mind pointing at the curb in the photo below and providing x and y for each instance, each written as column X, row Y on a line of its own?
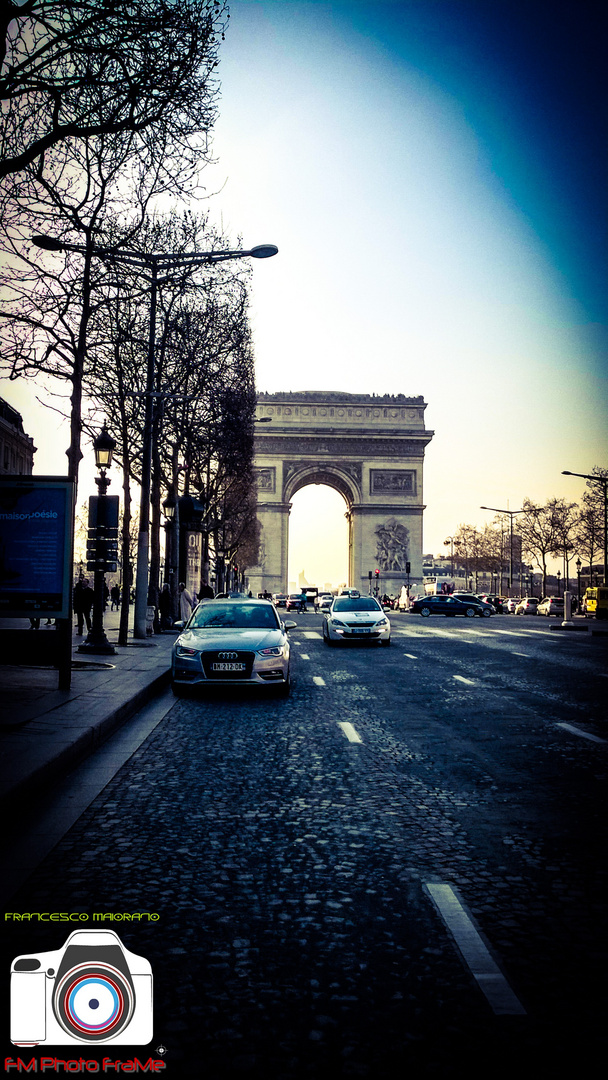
column 71, row 754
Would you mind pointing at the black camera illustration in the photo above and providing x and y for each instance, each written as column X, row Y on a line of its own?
column 93, row 990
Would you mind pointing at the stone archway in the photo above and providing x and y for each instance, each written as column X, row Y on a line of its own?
column 371, row 450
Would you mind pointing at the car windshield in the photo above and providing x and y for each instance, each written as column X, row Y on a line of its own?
column 241, row 616
column 355, row 603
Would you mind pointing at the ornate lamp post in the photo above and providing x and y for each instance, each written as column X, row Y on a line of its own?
column 578, row 565
column 558, row 576
column 102, row 542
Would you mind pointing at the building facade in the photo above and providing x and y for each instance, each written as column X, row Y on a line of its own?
column 16, row 448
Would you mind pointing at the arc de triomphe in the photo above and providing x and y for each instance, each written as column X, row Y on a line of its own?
column 371, row 450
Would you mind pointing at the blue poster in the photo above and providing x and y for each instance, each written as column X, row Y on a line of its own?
column 35, row 546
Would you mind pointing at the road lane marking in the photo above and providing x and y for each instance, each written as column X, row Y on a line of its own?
column 318, row 680
column 349, row 731
column 511, row 633
column 311, row 634
column 583, row 734
column 409, row 656
column 304, row 656
column 474, row 952
column 520, row 653
column 461, row 678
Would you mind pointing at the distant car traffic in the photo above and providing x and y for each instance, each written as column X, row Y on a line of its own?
column 280, row 599
column 356, row 618
column 497, row 602
column 294, row 602
column 510, row 604
column 324, row 601
column 527, row 606
column 450, row 606
column 473, row 598
column 551, row 605
column 232, row 642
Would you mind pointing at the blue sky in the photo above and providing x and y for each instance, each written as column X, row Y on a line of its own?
column 434, row 175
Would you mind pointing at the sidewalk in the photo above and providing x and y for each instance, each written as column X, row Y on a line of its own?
column 45, row 732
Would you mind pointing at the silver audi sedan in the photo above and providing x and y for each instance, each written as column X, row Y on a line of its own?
column 239, row 642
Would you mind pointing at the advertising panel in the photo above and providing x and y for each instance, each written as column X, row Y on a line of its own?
column 36, row 515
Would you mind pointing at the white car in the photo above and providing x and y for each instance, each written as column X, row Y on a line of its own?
column 356, row 618
column 324, row 601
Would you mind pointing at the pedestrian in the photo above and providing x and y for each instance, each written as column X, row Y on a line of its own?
column 83, row 602
column 165, row 605
column 206, row 592
column 186, row 602
column 115, row 597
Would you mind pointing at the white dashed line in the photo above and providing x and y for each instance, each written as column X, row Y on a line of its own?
column 520, row 653
column 350, row 732
column 474, row 952
column 318, row 681
column 583, row 734
column 409, row 656
column 311, row 634
column 461, row 678
column 304, row 656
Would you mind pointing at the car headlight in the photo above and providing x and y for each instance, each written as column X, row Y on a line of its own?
column 181, row 650
column 382, row 622
column 336, row 622
column 276, row 650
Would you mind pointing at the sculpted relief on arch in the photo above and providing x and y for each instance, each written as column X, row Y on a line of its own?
column 392, row 545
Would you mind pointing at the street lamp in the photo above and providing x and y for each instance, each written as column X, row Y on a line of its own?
column 578, row 565
column 102, row 541
column 154, row 263
column 558, row 576
column 512, row 514
column 604, row 481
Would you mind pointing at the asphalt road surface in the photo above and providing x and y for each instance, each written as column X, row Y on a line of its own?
column 398, row 871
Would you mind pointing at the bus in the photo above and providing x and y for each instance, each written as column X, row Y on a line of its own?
column 596, row 603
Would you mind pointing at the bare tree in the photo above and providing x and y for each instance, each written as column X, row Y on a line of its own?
column 565, row 517
column 72, row 72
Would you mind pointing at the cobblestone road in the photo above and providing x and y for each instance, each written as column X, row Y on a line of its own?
column 290, row 866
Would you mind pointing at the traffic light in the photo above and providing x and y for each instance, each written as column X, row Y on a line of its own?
column 407, row 567
column 377, row 573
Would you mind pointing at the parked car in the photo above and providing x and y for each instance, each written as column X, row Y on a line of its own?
column 527, row 606
column 280, row 599
column 324, row 601
column 473, row 598
column 356, row 618
column 551, row 605
column 232, row 642
column 294, row 602
column 450, row 606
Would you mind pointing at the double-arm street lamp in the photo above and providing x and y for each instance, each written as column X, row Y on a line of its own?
column 154, row 263
column 512, row 514
column 603, row 480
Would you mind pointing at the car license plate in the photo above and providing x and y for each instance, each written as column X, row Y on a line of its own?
column 360, row 630
column 228, row 667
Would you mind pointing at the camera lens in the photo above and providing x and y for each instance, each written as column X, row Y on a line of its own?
column 93, row 1001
